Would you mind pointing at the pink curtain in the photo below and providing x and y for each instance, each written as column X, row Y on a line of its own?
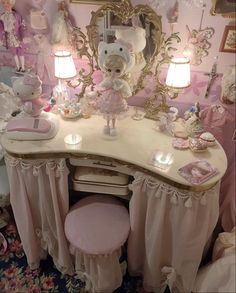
column 169, row 229
column 228, row 198
column 40, row 201
column 102, row 273
column 220, row 121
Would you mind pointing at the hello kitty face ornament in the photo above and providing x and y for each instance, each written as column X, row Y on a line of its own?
column 105, row 50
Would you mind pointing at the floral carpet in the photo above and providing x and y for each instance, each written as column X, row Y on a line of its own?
column 16, row 277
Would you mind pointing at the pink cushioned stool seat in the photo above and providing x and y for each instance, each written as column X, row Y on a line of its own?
column 96, row 227
column 97, row 224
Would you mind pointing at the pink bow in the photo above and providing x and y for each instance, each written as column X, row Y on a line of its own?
column 33, row 80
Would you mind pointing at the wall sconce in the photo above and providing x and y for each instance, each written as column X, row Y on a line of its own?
column 64, row 69
column 178, row 78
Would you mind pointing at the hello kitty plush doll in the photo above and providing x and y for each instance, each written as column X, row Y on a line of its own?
column 29, row 89
column 114, row 60
column 135, row 39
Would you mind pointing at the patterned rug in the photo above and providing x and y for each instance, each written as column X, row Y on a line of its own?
column 16, row 277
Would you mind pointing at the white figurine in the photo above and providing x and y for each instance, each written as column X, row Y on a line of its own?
column 114, row 60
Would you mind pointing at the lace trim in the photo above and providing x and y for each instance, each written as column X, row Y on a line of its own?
column 74, row 251
column 174, row 193
column 56, row 165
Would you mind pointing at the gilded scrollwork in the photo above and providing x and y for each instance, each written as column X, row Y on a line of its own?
column 85, row 74
column 124, row 11
column 161, row 90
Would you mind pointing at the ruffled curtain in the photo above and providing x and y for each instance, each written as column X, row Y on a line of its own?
column 102, row 273
column 40, row 201
column 169, row 230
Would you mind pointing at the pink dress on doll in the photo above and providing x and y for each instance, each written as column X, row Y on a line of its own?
column 112, row 104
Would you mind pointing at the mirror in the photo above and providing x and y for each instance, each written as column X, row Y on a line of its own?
column 139, row 27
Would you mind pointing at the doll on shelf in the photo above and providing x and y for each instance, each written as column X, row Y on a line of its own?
column 12, row 28
column 61, row 28
column 114, row 60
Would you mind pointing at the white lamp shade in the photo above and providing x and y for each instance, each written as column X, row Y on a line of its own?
column 178, row 75
column 64, row 65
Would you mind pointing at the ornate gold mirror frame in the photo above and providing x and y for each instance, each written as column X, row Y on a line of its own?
column 85, row 74
column 161, row 90
column 125, row 11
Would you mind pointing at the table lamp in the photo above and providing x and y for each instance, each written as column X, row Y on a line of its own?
column 178, row 78
column 64, row 69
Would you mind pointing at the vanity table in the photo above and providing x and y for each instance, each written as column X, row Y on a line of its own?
column 171, row 220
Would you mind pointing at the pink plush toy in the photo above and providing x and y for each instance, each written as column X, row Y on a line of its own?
column 29, row 89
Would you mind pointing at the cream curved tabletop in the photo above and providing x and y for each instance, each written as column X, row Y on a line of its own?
column 134, row 144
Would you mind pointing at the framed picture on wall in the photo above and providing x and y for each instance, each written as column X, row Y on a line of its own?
column 96, row 2
column 228, row 43
column 227, row 8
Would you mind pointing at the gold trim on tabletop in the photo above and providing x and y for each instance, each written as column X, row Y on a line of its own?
column 94, row 2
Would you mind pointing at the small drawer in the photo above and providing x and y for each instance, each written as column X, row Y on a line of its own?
column 97, row 163
column 101, row 180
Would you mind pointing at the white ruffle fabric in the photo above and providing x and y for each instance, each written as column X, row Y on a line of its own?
column 169, row 230
column 219, row 275
column 102, row 273
column 40, row 201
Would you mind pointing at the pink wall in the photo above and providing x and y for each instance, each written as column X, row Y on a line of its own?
column 187, row 15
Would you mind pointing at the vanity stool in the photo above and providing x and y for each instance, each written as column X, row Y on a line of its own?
column 96, row 228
